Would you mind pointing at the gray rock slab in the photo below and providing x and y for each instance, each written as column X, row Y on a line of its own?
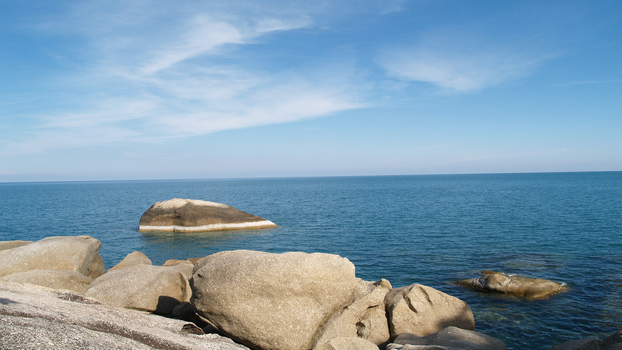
column 38, row 318
column 453, row 338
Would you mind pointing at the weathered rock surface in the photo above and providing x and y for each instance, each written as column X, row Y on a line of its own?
column 423, row 310
column 612, row 342
column 133, row 258
column 37, row 318
column 350, row 343
column 365, row 318
column 142, row 287
column 450, row 338
column 69, row 280
column 68, row 253
column 189, row 215
column 12, row 244
column 529, row 288
column 272, row 301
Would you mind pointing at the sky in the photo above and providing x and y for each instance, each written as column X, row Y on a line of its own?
column 149, row 89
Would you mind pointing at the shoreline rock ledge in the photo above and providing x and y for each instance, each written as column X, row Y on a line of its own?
column 192, row 215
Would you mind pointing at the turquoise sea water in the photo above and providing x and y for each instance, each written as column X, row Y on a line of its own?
column 408, row 229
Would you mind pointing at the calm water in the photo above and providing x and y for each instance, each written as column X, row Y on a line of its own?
column 408, row 229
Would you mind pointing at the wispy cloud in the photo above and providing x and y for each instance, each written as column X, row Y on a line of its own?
column 178, row 72
column 458, row 63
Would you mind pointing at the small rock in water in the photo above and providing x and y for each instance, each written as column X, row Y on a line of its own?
column 190, row 215
column 528, row 288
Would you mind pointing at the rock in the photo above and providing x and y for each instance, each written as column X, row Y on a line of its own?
column 12, row 244
column 579, row 344
column 272, row 301
column 69, row 280
column 365, row 318
column 35, row 318
column 55, row 253
column 529, row 288
column 612, row 342
column 185, row 267
column 451, row 338
column 133, row 258
column 189, row 215
column 422, row 311
column 350, row 343
column 141, row 287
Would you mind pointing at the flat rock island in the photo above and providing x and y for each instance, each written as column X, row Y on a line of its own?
column 192, row 215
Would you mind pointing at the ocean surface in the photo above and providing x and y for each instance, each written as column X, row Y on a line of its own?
column 432, row 230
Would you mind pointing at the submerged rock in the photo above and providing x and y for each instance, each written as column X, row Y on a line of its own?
column 189, row 215
column 612, row 342
column 272, row 301
column 63, row 253
column 529, row 288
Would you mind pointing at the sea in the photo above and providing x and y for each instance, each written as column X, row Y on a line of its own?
column 427, row 229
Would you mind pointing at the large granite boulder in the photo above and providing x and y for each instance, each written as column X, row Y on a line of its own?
column 133, row 258
column 64, row 253
column 69, row 280
column 528, row 288
column 12, row 244
column 142, row 287
column 450, row 338
column 365, row 318
column 189, row 215
column 32, row 317
column 272, row 301
column 423, row 310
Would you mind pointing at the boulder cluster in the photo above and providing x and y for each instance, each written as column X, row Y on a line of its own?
column 55, row 294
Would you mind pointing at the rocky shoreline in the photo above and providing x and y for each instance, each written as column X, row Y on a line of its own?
column 56, row 294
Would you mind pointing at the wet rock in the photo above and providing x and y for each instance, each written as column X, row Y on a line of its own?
column 62, row 253
column 189, row 215
column 69, row 280
column 450, row 338
column 529, row 288
column 272, row 301
column 423, row 310
column 133, row 258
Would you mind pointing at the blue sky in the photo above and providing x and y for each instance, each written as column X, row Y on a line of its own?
column 143, row 89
